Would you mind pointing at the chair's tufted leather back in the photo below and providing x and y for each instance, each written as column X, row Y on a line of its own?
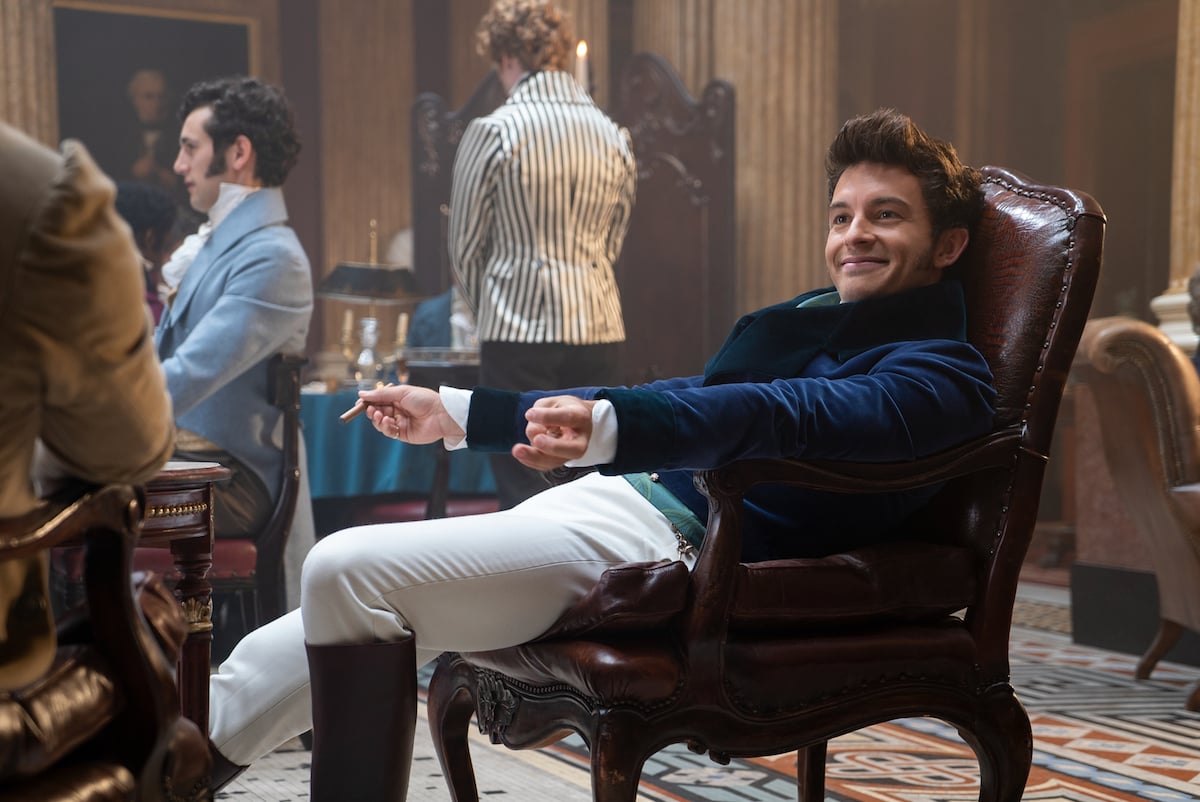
column 1029, row 275
column 1031, row 266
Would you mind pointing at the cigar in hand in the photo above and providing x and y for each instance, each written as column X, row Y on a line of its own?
column 353, row 412
column 356, row 410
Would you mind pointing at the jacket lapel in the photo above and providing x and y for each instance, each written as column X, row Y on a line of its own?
column 259, row 210
column 780, row 340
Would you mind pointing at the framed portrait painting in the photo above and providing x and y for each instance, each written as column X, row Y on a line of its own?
column 122, row 70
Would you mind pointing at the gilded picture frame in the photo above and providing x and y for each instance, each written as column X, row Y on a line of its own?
column 121, row 70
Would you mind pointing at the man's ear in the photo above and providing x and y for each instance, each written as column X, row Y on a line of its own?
column 240, row 153
column 949, row 246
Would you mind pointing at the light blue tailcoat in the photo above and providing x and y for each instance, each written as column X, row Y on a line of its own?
column 247, row 296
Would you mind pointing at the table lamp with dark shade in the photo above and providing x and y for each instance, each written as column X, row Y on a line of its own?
column 363, row 282
column 376, row 284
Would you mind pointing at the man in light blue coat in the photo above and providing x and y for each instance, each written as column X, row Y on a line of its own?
column 243, row 292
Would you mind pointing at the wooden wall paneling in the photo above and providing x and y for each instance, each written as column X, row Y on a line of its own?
column 680, row 32
column 1120, row 67
column 467, row 68
column 590, row 21
column 679, row 252
column 28, row 98
column 971, row 96
column 780, row 57
column 855, row 88
column 367, row 92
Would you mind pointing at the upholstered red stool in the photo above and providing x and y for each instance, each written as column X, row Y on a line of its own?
column 415, row 509
column 233, row 569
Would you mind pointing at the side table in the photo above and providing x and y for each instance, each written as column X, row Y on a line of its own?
column 179, row 516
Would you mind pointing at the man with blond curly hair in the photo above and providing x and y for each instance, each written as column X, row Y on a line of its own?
column 542, row 192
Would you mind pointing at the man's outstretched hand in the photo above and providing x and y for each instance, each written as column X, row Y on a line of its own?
column 412, row 414
column 559, row 429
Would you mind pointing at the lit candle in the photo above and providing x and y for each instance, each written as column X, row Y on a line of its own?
column 401, row 329
column 348, row 325
column 581, row 64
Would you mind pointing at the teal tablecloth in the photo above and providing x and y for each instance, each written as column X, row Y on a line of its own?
column 352, row 459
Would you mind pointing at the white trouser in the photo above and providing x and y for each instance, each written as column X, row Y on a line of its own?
column 471, row 583
column 301, row 537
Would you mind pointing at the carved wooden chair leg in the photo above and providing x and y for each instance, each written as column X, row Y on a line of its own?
column 810, row 772
column 1001, row 735
column 451, row 705
column 1168, row 635
column 616, row 762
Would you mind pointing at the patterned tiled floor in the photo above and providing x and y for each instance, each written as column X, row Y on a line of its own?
column 1099, row 736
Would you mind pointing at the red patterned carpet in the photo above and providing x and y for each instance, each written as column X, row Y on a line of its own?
column 1099, row 736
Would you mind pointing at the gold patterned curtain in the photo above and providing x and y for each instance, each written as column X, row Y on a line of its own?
column 28, row 99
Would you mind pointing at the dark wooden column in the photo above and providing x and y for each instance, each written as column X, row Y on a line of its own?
column 620, row 43
column 431, row 46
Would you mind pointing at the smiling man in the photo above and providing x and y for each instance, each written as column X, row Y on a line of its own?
column 243, row 292
column 875, row 369
column 880, row 234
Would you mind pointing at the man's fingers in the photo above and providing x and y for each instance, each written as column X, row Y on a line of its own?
column 382, row 395
column 559, row 446
column 573, row 416
column 531, row 457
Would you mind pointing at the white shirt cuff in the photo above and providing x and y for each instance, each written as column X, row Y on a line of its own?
column 458, row 406
column 602, row 447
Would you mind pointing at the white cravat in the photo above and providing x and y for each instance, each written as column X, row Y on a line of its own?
column 228, row 198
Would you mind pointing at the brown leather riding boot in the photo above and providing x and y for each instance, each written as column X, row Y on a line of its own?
column 364, row 703
column 224, row 771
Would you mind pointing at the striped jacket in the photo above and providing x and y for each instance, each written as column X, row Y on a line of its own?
column 542, row 192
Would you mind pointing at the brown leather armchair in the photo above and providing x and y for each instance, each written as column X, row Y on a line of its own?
column 103, row 723
column 1147, row 395
column 762, row 658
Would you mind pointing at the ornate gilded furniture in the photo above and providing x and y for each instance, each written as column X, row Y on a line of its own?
column 104, row 722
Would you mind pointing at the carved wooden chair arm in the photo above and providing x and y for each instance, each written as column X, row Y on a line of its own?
column 67, row 515
column 726, row 487
column 994, row 450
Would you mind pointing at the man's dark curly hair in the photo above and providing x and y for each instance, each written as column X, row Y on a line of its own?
column 247, row 106
column 952, row 190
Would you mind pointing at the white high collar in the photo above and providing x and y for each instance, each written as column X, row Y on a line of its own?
column 229, row 196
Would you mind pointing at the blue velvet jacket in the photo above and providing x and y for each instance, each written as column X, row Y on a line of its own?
column 879, row 380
